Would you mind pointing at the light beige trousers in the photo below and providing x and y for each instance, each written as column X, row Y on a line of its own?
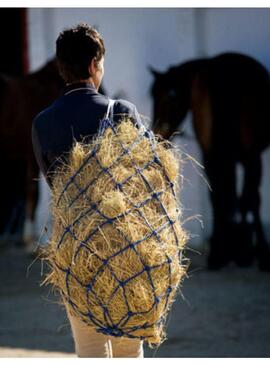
column 89, row 343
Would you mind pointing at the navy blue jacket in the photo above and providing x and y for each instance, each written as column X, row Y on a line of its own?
column 74, row 115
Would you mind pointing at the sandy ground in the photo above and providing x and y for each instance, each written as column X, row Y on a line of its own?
column 223, row 314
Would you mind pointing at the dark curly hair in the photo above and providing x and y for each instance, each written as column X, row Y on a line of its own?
column 75, row 49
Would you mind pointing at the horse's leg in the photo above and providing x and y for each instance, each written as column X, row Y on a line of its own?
column 242, row 236
column 17, row 187
column 250, row 203
column 220, row 168
column 29, row 235
column 12, row 200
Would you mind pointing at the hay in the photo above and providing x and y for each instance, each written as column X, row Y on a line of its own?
column 116, row 244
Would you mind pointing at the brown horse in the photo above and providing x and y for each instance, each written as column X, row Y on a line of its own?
column 20, row 100
column 229, row 97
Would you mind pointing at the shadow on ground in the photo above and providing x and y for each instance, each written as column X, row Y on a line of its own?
column 29, row 315
column 223, row 314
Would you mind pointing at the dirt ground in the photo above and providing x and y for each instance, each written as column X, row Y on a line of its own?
column 223, row 314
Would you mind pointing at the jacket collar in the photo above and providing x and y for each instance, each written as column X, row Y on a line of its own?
column 78, row 87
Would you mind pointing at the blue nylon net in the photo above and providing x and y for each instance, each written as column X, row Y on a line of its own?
column 108, row 326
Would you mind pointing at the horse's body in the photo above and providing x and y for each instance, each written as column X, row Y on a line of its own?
column 20, row 100
column 229, row 97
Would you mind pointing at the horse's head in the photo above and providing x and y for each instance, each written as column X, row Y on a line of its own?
column 49, row 81
column 170, row 92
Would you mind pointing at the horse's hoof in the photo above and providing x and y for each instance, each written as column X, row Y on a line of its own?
column 219, row 254
column 263, row 255
column 264, row 262
column 264, row 266
column 245, row 258
column 242, row 244
column 244, row 263
column 217, row 262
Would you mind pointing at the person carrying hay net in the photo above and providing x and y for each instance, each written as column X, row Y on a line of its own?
column 115, row 250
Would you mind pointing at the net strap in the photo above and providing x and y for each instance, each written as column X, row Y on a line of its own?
column 109, row 112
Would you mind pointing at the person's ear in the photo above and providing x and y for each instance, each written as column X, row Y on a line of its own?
column 92, row 68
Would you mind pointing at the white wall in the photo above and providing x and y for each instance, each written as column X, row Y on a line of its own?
column 136, row 38
column 240, row 30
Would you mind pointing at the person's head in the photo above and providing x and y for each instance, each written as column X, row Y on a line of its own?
column 80, row 55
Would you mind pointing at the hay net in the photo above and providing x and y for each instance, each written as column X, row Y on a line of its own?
column 116, row 246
